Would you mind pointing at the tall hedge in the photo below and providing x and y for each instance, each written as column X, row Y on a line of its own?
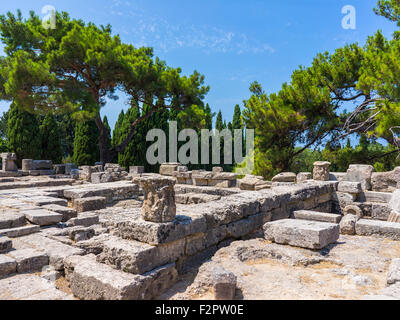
column 86, row 143
column 23, row 134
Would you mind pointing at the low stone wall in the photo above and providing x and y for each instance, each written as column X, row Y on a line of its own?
column 198, row 231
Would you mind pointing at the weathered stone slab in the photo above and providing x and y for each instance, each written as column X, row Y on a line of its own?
column 42, row 165
column 30, row 287
column 11, row 220
column 160, row 233
column 384, row 229
column 84, row 220
column 42, row 201
column 303, row 176
column 55, row 250
column 321, row 171
column 371, row 196
column 360, row 173
column 380, row 211
column 90, row 280
column 285, row 177
column 350, row 187
column 7, row 266
column 168, row 169
column 317, row 216
column 29, row 260
column 385, row 181
column 43, row 217
column 137, row 257
column 159, row 198
column 136, row 170
column 246, row 226
column 89, row 204
column 224, row 284
column 67, row 213
column 5, row 244
column 394, row 272
column 301, row 233
column 19, row 232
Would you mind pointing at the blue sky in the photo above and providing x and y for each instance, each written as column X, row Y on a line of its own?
column 231, row 42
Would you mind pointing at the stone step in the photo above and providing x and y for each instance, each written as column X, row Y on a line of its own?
column 91, row 280
column 372, row 196
column 89, row 204
column 138, row 257
column 29, row 260
column 84, row 220
column 5, row 244
column 11, row 220
column 67, row 213
column 19, row 232
column 317, row 216
column 390, row 230
column 43, row 217
column 42, row 201
column 7, row 266
column 313, row 235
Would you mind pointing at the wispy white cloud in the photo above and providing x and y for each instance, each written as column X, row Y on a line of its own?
column 158, row 32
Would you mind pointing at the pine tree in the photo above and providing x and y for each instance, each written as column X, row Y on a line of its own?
column 23, row 134
column 50, row 139
column 219, row 125
column 237, row 118
column 86, row 149
column 107, row 126
column 116, row 132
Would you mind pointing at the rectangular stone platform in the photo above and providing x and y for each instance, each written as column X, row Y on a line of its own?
column 301, row 233
column 384, row 229
column 43, row 217
column 19, row 232
column 317, row 216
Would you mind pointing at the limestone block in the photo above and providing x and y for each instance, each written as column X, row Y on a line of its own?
column 136, row 170
column 43, row 217
column 11, row 220
column 27, row 164
column 301, row 233
column 350, row 187
column 29, row 260
column 384, row 229
column 42, row 165
column 348, row 224
column 317, row 216
column 59, row 168
column 321, row 171
column 7, row 266
column 89, row 204
column 360, row 173
column 159, row 198
column 394, row 272
column 69, row 167
column 224, row 284
column 386, row 181
column 84, row 220
column 285, row 177
column 67, row 213
column 19, row 232
column 168, row 169
column 5, row 245
column 304, row 176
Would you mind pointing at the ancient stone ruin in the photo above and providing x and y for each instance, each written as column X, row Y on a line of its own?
column 103, row 233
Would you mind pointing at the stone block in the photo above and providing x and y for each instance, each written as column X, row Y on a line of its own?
column 69, row 167
column 42, row 165
column 321, row 171
column 394, row 272
column 43, row 217
column 168, row 169
column 29, row 260
column 5, row 245
column 67, row 213
column 27, row 164
column 96, row 177
column 350, row 187
column 7, row 266
column 394, row 203
column 59, row 168
column 136, row 170
column 360, row 173
column 371, row 196
column 89, row 204
column 84, row 220
column 380, row 211
column 383, row 229
column 11, row 220
column 301, row 233
column 385, row 181
column 317, row 216
column 304, row 176
column 224, row 284
column 394, row 217
column 137, row 257
column 19, row 232
column 285, row 177
column 159, row 198
column 348, row 224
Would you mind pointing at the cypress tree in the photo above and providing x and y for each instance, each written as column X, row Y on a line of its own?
column 86, row 148
column 23, row 134
column 107, row 126
column 51, row 140
column 116, row 137
column 67, row 133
